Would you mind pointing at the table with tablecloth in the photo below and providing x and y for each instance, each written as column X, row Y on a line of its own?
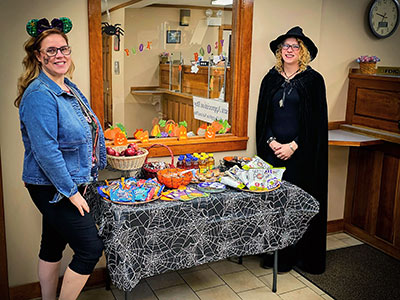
column 152, row 238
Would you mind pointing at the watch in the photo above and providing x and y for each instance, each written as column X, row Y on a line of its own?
column 271, row 139
column 383, row 17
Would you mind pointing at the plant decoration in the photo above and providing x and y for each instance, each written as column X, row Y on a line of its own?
column 110, row 132
column 367, row 59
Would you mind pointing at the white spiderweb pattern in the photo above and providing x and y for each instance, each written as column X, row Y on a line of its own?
column 145, row 240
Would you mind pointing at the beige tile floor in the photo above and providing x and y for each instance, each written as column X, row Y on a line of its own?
column 225, row 280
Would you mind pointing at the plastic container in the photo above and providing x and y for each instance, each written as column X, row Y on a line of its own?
column 188, row 163
column 195, row 163
column 181, row 163
column 211, row 161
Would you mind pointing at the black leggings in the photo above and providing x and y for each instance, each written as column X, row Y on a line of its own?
column 62, row 224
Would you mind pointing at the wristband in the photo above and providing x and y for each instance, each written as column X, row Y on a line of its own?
column 291, row 148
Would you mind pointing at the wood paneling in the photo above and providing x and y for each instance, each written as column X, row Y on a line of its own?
column 372, row 205
column 374, row 101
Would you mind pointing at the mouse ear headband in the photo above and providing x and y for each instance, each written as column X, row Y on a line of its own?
column 35, row 27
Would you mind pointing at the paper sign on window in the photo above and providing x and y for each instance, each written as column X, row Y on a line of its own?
column 209, row 110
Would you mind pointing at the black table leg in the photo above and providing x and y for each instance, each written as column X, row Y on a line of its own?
column 108, row 280
column 275, row 271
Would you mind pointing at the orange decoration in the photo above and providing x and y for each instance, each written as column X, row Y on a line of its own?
column 137, row 133
column 111, row 132
column 210, row 133
column 217, row 126
column 156, row 131
column 144, row 137
column 182, row 133
column 170, row 127
column 120, row 139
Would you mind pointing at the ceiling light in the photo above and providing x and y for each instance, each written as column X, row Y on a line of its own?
column 221, row 2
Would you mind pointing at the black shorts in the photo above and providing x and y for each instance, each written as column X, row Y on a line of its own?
column 63, row 224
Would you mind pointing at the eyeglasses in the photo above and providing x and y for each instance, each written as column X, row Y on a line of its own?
column 295, row 47
column 52, row 51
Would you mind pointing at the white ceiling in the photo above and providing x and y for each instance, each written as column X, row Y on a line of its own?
column 143, row 3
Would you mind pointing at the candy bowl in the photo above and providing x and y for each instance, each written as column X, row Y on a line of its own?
column 174, row 177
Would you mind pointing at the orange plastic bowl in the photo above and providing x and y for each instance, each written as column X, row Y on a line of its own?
column 173, row 178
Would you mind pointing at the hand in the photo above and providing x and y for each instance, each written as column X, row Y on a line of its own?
column 80, row 203
column 274, row 145
column 285, row 151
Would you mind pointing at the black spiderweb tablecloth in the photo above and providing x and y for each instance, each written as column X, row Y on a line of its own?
column 149, row 239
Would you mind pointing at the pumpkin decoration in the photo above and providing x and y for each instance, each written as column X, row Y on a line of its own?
column 201, row 131
column 170, row 127
column 210, row 133
column 110, row 133
column 120, row 139
column 217, row 126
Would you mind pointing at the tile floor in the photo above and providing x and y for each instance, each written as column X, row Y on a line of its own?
column 225, row 280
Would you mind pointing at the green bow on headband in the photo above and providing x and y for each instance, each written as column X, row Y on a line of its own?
column 35, row 27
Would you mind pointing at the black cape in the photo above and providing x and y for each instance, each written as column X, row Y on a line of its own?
column 311, row 172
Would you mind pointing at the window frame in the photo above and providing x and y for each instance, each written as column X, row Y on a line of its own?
column 242, row 26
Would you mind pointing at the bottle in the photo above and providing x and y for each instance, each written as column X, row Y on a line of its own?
column 188, row 163
column 211, row 161
column 195, row 162
column 202, row 165
column 180, row 164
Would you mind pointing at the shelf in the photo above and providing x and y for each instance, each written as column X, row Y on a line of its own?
column 340, row 137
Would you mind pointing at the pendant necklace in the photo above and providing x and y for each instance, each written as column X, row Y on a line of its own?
column 285, row 85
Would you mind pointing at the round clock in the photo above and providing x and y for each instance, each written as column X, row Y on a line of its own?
column 383, row 17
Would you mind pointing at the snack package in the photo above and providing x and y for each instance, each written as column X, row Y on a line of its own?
column 257, row 163
column 227, row 180
column 261, row 179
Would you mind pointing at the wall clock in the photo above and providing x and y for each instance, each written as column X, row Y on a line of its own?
column 383, row 17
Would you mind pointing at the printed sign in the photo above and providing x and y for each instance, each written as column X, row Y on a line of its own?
column 209, row 110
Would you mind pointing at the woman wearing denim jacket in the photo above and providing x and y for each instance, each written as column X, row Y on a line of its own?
column 64, row 149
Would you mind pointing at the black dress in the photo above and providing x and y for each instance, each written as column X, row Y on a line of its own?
column 302, row 118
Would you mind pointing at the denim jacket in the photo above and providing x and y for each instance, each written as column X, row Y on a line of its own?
column 57, row 137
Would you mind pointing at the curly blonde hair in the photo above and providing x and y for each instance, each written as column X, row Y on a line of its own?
column 32, row 66
column 304, row 57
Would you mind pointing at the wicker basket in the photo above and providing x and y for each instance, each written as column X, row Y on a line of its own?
column 148, row 168
column 174, row 178
column 368, row 67
column 126, row 163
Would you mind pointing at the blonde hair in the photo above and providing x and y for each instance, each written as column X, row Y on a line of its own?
column 304, row 57
column 31, row 65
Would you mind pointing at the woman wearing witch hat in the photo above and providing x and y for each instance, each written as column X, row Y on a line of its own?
column 292, row 132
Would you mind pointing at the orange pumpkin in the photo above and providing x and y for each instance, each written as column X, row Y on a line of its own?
column 111, row 132
column 120, row 139
column 170, row 127
column 210, row 133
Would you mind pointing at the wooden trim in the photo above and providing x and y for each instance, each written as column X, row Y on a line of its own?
column 32, row 290
column 4, row 288
column 355, row 144
column 373, row 132
column 241, row 41
column 221, row 34
column 96, row 59
column 335, row 125
column 335, row 226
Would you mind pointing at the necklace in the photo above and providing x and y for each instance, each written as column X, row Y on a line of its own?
column 287, row 78
column 285, row 86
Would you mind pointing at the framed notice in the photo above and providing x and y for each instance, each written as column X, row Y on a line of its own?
column 173, row 36
column 209, row 110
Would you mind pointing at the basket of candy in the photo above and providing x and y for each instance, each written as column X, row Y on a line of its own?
column 174, row 178
column 150, row 169
column 125, row 158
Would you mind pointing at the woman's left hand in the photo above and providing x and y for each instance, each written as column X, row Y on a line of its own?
column 286, row 151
